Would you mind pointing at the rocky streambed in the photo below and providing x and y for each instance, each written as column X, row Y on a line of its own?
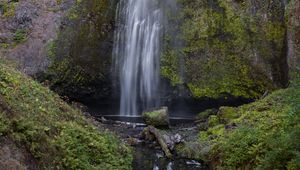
column 157, row 149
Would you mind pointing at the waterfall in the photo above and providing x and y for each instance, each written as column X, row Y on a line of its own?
column 136, row 54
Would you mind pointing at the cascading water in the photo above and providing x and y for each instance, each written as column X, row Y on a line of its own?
column 137, row 53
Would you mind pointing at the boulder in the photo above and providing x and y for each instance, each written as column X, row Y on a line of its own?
column 213, row 121
column 228, row 113
column 203, row 116
column 157, row 118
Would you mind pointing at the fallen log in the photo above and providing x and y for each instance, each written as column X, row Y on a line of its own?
column 160, row 140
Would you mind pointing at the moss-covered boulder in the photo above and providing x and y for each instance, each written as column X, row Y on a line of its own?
column 157, row 118
column 193, row 150
column 203, row 116
column 213, row 120
column 228, row 113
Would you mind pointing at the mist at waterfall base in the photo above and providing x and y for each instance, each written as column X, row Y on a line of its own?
column 140, row 28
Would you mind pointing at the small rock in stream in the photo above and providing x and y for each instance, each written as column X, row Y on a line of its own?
column 155, row 167
column 177, row 138
column 133, row 141
column 193, row 162
column 170, row 166
column 103, row 120
column 159, row 155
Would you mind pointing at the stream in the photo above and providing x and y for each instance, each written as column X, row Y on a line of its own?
column 148, row 155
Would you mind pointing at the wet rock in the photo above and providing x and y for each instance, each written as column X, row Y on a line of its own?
column 168, row 140
column 203, row 116
column 193, row 150
column 147, row 135
column 6, row 37
column 80, row 106
column 24, row 15
column 133, row 141
column 203, row 126
column 228, row 113
column 170, row 166
column 193, row 162
column 159, row 155
column 231, row 126
column 157, row 118
column 177, row 138
column 172, row 141
column 103, row 120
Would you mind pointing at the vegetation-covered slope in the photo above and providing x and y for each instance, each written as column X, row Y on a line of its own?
column 55, row 134
column 261, row 135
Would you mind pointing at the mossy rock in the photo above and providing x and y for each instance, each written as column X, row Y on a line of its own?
column 193, row 150
column 217, row 130
column 226, row 114
column 203, row 116
column 157, row 118
column 213, row 120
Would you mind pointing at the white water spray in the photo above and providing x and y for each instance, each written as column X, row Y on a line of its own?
column 137, row 53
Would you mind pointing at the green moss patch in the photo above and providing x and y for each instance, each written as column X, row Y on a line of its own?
column 229, row 48
column 261, row 135
column 57, row 135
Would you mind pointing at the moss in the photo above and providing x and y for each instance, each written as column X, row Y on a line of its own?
column 158, row 118
column 4, row 45
column 4, row 124
column 8, row 8
column 170, row 67
column 228, row 49
column 192, row 150
column 20, row 36
column 205, row 115
column 217, row 130
column 57, row 135
column 152, row 115
column 264, row 135
column 213, row 120
column 228, row 113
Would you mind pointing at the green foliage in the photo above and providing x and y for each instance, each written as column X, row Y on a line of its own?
column 20, row 36
column 228, row 48
column 97, row 153
column 213, row 120
column 205, row 115
column 4, row 124
column 57, row 135
column 261, row 135
column 8, row 7
column 228, row 113
column 170, row 67
column 192, row 150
